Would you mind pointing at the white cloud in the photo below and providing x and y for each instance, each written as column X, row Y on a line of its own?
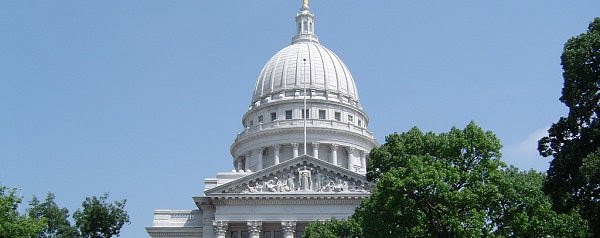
column 524, row 154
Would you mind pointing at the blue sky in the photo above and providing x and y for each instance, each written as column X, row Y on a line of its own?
column 142, row 99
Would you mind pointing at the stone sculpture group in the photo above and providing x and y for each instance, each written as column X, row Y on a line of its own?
column 304, row 179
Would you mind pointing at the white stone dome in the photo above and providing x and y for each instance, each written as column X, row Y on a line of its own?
column 325, row 72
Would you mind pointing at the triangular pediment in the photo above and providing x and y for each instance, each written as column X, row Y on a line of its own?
column 301, row 175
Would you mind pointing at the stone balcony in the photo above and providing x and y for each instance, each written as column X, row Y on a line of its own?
column 310, row 124
column 177, row 218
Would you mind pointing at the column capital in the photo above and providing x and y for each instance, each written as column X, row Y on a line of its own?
column 295, row 145
column 315, row 144
column 350, row 149
column 254, row 228
column 260, row 149
column 220, row 228
column 334, row 147
column 288, row 228
column 276, row 147
column 249, row 154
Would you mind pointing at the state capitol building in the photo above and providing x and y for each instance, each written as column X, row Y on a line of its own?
column 301, row 156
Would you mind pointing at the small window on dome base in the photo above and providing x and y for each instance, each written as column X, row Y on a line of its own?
column 307, row 113
column 322, row 114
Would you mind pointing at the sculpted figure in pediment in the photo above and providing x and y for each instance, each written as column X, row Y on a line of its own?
column 290, row 184
column 272, row 185
column 305, row 179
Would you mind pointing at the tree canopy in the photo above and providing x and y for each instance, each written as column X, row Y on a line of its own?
column 100, row 219
column 11, row 223
column 56, row 218
column 574, row 141
column 97, row 219
column 452, row 185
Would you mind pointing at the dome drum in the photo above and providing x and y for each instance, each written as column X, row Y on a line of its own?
column 317, row 109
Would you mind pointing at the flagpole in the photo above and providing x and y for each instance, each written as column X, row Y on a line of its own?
column 304, row 112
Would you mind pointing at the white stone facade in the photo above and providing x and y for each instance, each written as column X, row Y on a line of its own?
column 277, row 184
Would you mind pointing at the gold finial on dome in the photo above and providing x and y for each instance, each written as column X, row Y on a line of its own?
column 304, row 4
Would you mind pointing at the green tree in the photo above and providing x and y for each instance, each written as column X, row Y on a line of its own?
column 11, row 223
column 574, row 141
column 333, row 229
column 453, row 185
column 99, row 218
column 57, row 223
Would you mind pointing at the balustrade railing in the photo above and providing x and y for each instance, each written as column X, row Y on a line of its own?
column 311, row 123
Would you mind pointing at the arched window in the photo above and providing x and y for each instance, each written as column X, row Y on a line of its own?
column 311, row 27
column 304, row 26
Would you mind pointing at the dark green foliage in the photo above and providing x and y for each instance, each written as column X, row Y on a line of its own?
column 333, row 229
column 574, row 141
column 100, row 219
column 11, row 223
column 57, row 223
column 452, row 185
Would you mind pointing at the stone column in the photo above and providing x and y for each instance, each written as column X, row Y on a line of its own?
column 288, row 228
column 350, row 150
column 363, row 159
column 240, row 164
column 208, row 216
column 295, row 147
column 315, row 146
column 259, row 157
column 247, row 161
column 220, row 228
column 334, row 148
column 254, row 228
column 276, row 149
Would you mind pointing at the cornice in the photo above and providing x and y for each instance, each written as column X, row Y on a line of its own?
column 195, row 231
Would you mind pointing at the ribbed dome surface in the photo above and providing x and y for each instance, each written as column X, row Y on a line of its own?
column 324, row 70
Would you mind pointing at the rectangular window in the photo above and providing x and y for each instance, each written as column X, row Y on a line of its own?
column 359, row 123
column 273, row 116
column 338, row 116
column 251, row 123
column 266, row 234
column 234, row 234
column 306, row 113
column 350, row 119
column 260, row 119
column 244, row 234
column 322, row 114
column 288, row 114
column 277, row 234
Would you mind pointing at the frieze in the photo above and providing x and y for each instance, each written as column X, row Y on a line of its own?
column 302, row 178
